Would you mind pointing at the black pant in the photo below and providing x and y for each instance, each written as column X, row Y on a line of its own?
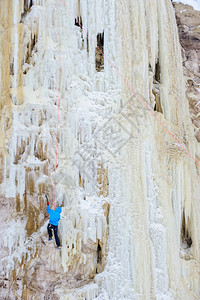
column 51, row 227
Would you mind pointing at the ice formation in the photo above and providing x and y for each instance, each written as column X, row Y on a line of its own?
column 130, row 193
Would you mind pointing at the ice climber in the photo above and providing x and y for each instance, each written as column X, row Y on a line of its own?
column 53, row 222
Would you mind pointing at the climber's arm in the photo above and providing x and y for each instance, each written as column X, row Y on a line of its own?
column 48, row 209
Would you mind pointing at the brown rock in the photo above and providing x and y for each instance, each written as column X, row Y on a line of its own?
column 188, row 21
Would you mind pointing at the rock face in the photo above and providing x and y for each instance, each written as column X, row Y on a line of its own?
column 129, row 191
column 189, row 33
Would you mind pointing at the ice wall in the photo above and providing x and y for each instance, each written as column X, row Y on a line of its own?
column 129, row 192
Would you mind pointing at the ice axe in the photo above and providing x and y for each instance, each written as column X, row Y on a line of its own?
column 47, row 199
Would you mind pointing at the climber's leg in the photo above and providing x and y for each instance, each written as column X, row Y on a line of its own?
column 49, row 229
column 55, row 229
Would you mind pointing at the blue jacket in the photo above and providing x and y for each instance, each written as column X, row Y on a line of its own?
column 54, row 215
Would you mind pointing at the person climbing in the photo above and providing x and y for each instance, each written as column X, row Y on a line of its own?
column 53, row 222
